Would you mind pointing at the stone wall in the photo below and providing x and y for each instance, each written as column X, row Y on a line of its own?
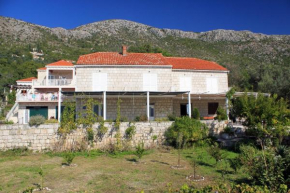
column 35, row 138
column 46, row 137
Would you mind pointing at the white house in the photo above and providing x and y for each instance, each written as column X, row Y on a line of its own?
column 147, row 83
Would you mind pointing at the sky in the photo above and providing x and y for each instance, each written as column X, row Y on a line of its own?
column 260, row 16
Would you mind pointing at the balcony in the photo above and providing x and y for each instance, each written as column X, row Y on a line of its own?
column 39, row 97
column 54, row 83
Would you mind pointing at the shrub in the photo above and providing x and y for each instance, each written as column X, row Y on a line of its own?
column 102, row 129
column 221, row 114
column 9, row 122
column 195, row 114
column 140, row 150
column 69, row 157
column 141, row 118
column 124, row 119
column 191, row 131
column 235, row 164
column 36, row 120
column 215, row 152
column 90, row 134
column 51, row 121
column 228, row 130
column 171, row 117
column 130, row 132
column 161, row 119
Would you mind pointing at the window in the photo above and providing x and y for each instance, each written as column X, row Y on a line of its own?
column 211, row 85
column 149, row 82
column 185, row 83
column 98, row 109
column 99, row 81
column 212, row 108
column 151, row 112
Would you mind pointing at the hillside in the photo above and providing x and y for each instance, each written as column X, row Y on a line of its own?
column 257, row 61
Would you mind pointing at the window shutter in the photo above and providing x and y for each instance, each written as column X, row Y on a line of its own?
column 149, row 82
column 211, row 85
column 100, row 82
column 185, row 84
column 153, row 82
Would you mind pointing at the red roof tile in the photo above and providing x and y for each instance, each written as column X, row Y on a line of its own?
column 60, row 63
column 114, row 58
column 44, row 68
column 193, row 64
column 26, row 79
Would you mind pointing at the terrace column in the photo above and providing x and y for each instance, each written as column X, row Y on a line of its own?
column 59, row 105
column 73, row 75
column 189, row 104
column 148, row 106
column 105, row 105
column 227, row 107
column 47, row 74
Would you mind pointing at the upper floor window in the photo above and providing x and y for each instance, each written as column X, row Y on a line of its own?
column 185, row 84
column 211, row 85
column 149, row 82
column 100, row 81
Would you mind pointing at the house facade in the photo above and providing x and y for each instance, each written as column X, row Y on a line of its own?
column 148, row 84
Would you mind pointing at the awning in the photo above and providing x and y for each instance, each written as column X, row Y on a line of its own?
column 122, row 93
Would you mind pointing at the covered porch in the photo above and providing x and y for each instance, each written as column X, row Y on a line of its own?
column 153, row 105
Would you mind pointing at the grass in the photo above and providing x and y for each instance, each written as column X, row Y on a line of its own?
column 102, row 172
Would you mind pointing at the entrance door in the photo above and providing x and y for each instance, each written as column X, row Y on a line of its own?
column 151, row 112
column 183, row 110
column 38, row 111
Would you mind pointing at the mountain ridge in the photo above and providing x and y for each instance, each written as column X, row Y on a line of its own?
column 256, row 61
column 88, row 30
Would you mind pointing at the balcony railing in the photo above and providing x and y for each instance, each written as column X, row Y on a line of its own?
column 54, row 82
column 40, row 97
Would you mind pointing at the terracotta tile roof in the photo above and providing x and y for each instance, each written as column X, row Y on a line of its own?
column 60, row 63
column 26, row 79
column 193, row 64
column 44, row 68
column 115, row 58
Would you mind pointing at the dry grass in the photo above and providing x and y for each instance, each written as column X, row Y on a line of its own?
column 103, row 173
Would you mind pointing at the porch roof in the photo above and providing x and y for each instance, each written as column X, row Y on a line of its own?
column 123, row 93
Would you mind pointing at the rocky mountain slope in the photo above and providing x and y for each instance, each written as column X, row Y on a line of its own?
column 256, row 61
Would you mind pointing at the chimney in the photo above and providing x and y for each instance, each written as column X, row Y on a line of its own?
column 124, row 50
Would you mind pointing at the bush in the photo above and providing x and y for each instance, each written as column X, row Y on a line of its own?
column 141, row 118
column 215, row 152
column 69, row 157
column 9, row 122
column 102, row 129
column 50, row 121
column 171, row 117
column 221, row 114
column 228, row 130
column 191, row 131
column 235, row 164
column 130, row 132
column 36, row 120
column 161, row 119
column 195, row 114
column 140, row 150
column 124, row 119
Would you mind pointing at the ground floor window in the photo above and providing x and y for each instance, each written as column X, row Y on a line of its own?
column 151, row 111
column 212, row 108
column 98, row 109
column 43, row 111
